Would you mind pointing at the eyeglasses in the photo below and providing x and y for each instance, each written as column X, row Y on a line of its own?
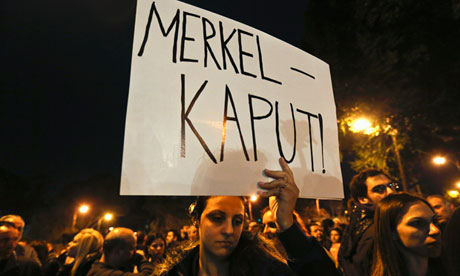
column 381, row 189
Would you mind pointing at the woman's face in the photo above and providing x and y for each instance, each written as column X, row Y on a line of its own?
column 157, row 248
column 221, row 225
column 418, row 231
column 72, row 246
column 335, row 236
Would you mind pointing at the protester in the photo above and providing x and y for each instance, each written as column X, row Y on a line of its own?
column 192, row 233
column 441, row 207
column 172, row 236
column 10, row 263
column 225, row 249
column 367, row 188
column 407, row 237
column 451, row 242
column 119, row 257
column 141, row 240
column 335, row 235
column 156, row 245
column 22, row 249
column 316, row 230
column 83, row 251
column 183, row 233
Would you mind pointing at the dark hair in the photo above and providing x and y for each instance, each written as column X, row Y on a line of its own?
column 388, row 259
column 451, row 244
column 197, row 207
column 154, row 236
column 175, row 232
column 358, row 187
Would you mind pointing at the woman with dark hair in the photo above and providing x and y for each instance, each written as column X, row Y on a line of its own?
column 156, row 245
column 224, row 248
column 408, row 239
column 335, row 235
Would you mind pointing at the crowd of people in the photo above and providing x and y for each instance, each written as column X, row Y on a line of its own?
column 389, row 233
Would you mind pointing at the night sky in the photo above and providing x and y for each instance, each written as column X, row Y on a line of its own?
column 65, row 79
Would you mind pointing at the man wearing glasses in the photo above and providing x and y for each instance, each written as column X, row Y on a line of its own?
column 367, row 188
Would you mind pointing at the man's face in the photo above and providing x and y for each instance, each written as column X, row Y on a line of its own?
column 18, row 223
column 8, row 241
column 440, row 208
column 317, row 232
column 378, row 187
column 192, row 233
column 170, row 237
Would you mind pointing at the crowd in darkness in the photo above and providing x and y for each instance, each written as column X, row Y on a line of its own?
column 388, row 233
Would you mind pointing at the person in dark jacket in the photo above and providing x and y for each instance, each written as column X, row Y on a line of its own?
column 224, row 248
column 10, row 264
column 119, row 257
column 367, row 188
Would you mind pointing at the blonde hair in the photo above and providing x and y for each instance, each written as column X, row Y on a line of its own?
column 89, row 242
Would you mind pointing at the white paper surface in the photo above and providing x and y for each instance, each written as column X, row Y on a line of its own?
column 164, row 156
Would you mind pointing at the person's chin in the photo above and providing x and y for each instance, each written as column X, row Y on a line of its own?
column 434, row 249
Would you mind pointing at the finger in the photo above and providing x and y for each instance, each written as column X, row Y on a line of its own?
column 276, row 174
column 284, row 166
column 269, row 193
column 279, row 183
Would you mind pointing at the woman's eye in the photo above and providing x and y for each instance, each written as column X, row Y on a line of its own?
column 238, row 221
column 216, row 218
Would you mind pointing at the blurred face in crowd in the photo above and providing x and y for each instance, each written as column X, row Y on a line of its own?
column 170, row 237
column 270, row 228
column 72, row 246
column 378, row 187
column 18, row 223
column 192, row 233
column 8, row 241
column 418, row 231
column 335, row 236
column 157, row 248
column 440, row 208
column 183, row 231
column 221, row 225
column 122, row 255
column 317, row 232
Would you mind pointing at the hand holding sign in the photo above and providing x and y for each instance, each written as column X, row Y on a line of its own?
column 283, row 193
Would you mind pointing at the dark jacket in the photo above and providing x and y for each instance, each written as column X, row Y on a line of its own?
column 57, row 268
column 305, row 254
column 19, row 266
column 101, row 269
column 356, row 248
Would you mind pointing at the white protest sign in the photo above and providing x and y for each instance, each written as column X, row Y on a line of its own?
column 212, row 102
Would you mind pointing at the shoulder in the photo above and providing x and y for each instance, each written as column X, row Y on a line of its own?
column 179, row 260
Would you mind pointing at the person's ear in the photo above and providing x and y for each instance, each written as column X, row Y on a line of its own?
column 363, row 200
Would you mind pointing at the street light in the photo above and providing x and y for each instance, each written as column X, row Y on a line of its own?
column 106, row 217
column 453, row 193
column 82, row 209
column 363, row 125
column 439, row 160
column 458, row 184
column 252, row 199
